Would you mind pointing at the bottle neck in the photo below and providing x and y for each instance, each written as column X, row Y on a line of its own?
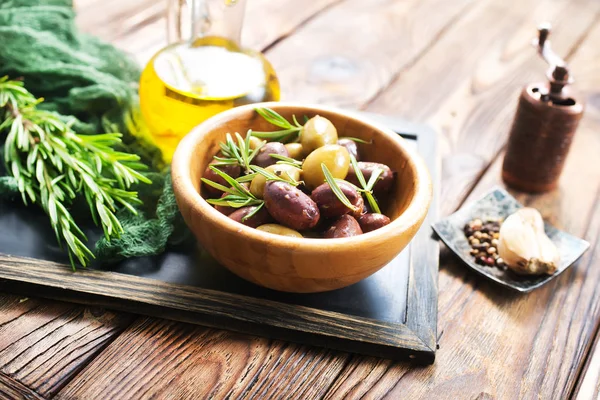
column 217, row 18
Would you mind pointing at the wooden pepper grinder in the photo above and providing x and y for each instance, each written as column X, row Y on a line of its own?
column 543, row 128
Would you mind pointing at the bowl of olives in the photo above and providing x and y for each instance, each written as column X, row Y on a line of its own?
column 299, row 198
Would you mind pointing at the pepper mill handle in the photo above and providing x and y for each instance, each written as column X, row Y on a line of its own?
column 558, row 74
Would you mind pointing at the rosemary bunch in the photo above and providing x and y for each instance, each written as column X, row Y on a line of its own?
column 54, row 165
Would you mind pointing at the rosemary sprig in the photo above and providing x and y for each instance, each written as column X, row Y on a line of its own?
column 288, row 129
column 367, row 187
column 54, row 165
column 274, row 177
column 238, row 153
column 331, row 181
column 237, row 195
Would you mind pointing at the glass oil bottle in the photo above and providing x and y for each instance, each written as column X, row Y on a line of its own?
column 191, row 80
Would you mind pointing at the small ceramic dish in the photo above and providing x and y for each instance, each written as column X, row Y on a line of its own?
column 500, row 204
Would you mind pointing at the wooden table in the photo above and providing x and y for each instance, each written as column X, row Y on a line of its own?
column 455, row 64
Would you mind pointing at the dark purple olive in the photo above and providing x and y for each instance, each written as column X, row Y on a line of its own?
column 329, row 205
column 290, row 206
column 351, row 146
column 231, row 170
column 260, row 218
column 344, row 226
column 264, row 159
column 370, row 222
column 384, row 182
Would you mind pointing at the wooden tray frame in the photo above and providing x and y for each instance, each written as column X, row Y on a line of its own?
column 415, row 339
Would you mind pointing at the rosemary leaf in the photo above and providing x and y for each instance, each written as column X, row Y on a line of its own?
column 354, row 139
column 217, row 185
column 373, row 179
column 246, row 178
column 367, row 187
column 253, row 212
column 335, row 188
column 234, row 184
column 358, row 172
column 276, row 119
column 273, row 177
column 372, row 202
column 287, row 160
column 273, row 117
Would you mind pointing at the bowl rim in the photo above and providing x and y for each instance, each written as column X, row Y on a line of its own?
column 180, row 169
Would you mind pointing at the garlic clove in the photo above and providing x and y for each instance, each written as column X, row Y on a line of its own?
column 524, row 245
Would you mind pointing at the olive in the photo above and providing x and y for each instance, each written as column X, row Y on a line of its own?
column 344, row 226
column 295, row 150
column 335, row 157
column 255, row 142
column 285, row 171
column 290, row 206
column 370, row 222
column 263, row 157
column 231, row 170
column 384, row 182
column 351, row 146
column 317, row 132
column 279, row 230
column 260, row 218
column 329, row 204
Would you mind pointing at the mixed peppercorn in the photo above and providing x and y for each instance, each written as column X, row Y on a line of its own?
column 483, row 238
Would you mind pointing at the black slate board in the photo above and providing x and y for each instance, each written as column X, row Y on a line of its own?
column 391, row 314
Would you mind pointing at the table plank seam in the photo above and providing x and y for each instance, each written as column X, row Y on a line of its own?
column 19, row 316
column 81, row 367
column 300, row 24
column 396, row 75
column 335, row 379
column 18, row 388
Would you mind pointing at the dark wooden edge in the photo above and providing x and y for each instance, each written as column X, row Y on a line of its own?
column 207, row 307
column 421, row 313
column 416, row 339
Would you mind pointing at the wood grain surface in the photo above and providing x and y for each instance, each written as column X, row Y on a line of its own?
column 185, row 361
column 43, row 344
column 11, row 389
column 457, row 65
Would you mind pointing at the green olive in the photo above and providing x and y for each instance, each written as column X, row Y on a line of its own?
column 256, row 142
column 334, row 156
column 279, row 230
column 295, row 150
column 257, row 186
column 317, row 132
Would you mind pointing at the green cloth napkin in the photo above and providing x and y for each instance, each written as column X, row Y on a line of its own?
column 80, row 76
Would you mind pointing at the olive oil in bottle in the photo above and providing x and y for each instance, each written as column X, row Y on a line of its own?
column 188, row 82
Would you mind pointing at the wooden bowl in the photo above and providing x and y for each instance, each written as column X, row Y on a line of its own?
column 301, row 265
